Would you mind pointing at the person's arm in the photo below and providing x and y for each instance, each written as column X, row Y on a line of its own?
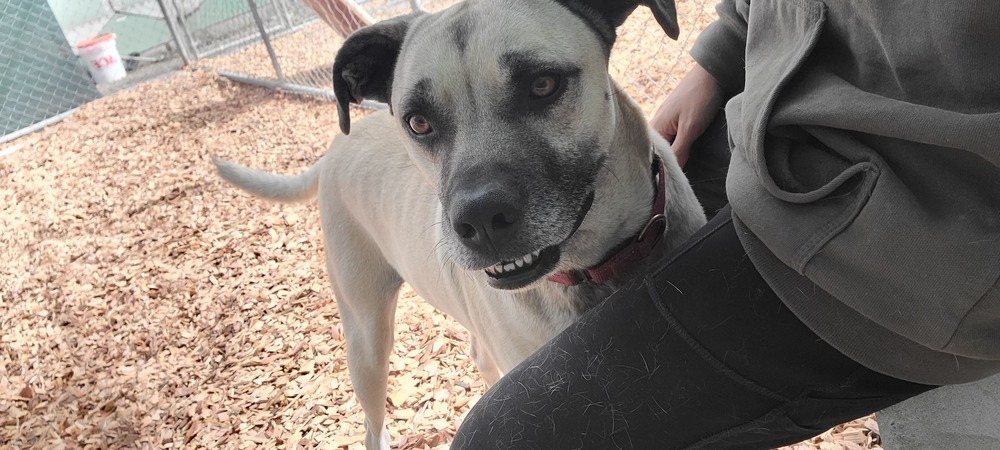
column 718, row 75
column 721, row 48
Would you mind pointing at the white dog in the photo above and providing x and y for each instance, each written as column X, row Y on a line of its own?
column 511, row 183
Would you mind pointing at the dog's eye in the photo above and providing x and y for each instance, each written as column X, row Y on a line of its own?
column 419, row 124
column 544, row 86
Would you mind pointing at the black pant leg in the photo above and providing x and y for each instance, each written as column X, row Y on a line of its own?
column 699, row 355
column 708, row 165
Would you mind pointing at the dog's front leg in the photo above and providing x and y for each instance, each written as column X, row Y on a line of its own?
column 368, row 351
column 366, row 287
column 484, row 361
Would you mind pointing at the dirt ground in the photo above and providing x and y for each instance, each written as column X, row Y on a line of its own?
column 145, row 304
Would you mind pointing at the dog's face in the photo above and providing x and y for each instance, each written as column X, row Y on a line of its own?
column 513, row 122
column 506, row 105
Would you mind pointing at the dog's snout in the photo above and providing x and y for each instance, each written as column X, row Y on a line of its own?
column 487, row 218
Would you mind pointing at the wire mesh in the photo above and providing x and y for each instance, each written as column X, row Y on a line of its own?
column 220, row 25
column 39, row 74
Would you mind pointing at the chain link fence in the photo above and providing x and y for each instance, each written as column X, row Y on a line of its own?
column 281, row 44
column 44, row 77
column 41, row 77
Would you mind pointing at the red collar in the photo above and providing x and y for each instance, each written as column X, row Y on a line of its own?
column 629, row 253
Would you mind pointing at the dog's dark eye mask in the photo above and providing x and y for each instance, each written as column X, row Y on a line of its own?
column 363, row 68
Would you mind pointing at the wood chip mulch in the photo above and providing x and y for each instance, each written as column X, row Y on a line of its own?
column 145, row 304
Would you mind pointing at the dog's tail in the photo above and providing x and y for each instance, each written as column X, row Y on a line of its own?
column 271, row 186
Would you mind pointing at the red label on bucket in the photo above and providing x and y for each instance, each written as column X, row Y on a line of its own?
column 104, row 61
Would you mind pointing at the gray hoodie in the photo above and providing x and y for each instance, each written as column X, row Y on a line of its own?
column 865, row 178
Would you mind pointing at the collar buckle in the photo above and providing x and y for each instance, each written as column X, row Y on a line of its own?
column 657, row 224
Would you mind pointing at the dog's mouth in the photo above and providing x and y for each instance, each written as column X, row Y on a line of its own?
column 520, row 272
column 524, row 270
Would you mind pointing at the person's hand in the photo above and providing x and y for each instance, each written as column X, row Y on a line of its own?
column 688, row 111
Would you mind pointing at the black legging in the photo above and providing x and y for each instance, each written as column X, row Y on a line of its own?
column 699, row 354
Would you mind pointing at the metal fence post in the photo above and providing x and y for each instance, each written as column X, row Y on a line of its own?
column 267, row 40
column 168, row 16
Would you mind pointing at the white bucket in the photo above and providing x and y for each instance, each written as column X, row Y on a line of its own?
column 102, row 58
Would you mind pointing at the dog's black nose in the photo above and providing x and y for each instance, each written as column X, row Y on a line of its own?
column 487, row 216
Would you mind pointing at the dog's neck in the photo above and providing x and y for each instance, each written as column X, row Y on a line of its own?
column 623, row 197
column 625, row 191
column 628, row 255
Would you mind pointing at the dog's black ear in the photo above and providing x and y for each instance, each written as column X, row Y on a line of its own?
column 606, row 15
column 665, row 12
column 364, row 65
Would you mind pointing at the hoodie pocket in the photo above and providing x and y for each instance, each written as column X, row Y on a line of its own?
column 781, row 37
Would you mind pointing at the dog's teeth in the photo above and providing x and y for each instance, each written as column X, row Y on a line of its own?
column 504, row 267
